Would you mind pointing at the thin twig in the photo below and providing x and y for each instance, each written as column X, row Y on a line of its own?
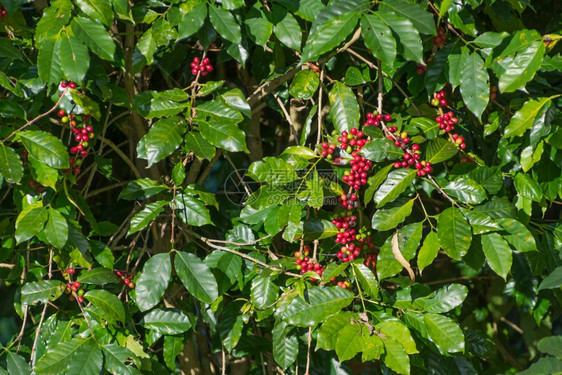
column 38, row 117
column 38, row 330
column 430, row 178
column 394, row 82
column 250, row 243
column 287, row 117
column 245, row 256
column 512, row 325
column 319, row 110
column 380, row 90
column 122, row 155
column 306, row 371
column 244, row 185
column 173, row 216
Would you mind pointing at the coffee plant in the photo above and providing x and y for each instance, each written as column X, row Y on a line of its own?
column 268, row 187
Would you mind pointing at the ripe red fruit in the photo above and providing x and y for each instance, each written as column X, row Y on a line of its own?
column 76, row 284
column 126, row 281
column 76, row 170
column 131, row 285
column 32, row 183
column 443, row 102
column 80, row 299
column 72, row 85
column 387, row 117
column 61, row 113
column 70, row 271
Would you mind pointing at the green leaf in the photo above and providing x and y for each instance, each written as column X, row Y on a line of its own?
column 349, row 341
column 329, row 35
column 224, row 22
column 466, row 190
column 150, row 104
column 41, row 291
column 378, row 38
column 272, row 170
column 167, row 322
column 318, row 229
column 97, row 10
column 43, row 174
column 498, row 253
column 394, row 185
column 231, row 324
column 153, row 281
column 192, row 21
column 74, row 58
column 11, row 167
column 480, row 222
column 141, row 189
column 196, row 276
column 396, row 357
column 527, row 187
column 446, row 298
column 57, row 359
column 30, row 223
column 545, row 365
column 17, row 365
column 375, row 181
column 439, row 150
column 455, row 66
column 409, row 238
column 490, row 178
column 56, row 229
column 264, row 291
column 192, row 211
column 517, row 70
column 410, row 39
column 108, row 303
column 398, row 331
column 146, row 215
column 518, row 235
column 116, row 358
column 366, row 278
column 551, row 345
column 285, row 346
column 95, row 36
column 304, row 85
column 428, row 251
column 258, row 25
column 330, row 329
column 173, row 346
column 373, row 348
column 525, row 117
column 97, row 276
column 553, row 280
column 475, row 88
column 386, row 219
column 163, row 138
column 45, row 147
column 178, row 173
column 87, row 104
column 344, row 109
column 225, row 135
column 454, row 233
column 429, row 127
column 418, row 15
column 195, row 142
column 444, row 333
column 381, row 149
column 88, row 360
column 321, row 303
column 48, row 61
column 286, row 28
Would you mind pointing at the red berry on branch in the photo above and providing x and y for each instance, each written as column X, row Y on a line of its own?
column 72, row 85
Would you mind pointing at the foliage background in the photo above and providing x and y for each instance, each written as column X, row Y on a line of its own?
column 216, row 285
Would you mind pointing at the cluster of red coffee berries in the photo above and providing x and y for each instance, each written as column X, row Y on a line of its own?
column 411, row 156
column 375, row 118
column 351, row 251
column 201, row 66
column 344, row 284
column 327, row 150
column 439, row 99
column 73, row 286
column 83, row 133
column 349, row 200
column 352, row 143
column 346, row 226
column 71, row 85
column 370, row 260
column 126, row 278
column 441, row 39
column 421, row 68
column 305, row 264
